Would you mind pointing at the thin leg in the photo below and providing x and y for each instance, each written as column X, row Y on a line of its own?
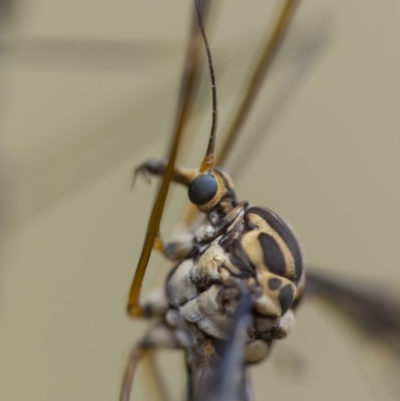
column 175, row 250
column 186, row 99
column 158, row 167
column 157, row 387
column 272, row 43
column 135, row 355
column 160, row 336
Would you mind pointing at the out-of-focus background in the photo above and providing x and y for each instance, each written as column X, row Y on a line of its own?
column 88, row 89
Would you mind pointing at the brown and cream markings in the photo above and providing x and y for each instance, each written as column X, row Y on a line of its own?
column 237, row 249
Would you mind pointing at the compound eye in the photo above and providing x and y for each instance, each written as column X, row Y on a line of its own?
column 202, row 189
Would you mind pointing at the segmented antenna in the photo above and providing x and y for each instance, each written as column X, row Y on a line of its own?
column 208, row 160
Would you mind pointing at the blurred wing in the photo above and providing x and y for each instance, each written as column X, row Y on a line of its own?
column 373, row 314
column 229, row 381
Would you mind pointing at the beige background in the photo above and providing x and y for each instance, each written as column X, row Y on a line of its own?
column 74, row 123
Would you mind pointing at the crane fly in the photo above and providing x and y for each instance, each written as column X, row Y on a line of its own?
column 88, row 90
column 239, row 272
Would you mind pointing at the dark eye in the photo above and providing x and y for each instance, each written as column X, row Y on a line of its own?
column 202, row 189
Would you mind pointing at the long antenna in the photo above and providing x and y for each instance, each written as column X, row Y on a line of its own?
column 208, row 160
column 272, row 42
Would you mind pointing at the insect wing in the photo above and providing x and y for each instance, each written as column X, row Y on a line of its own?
column 374, row 315
column 229, row 381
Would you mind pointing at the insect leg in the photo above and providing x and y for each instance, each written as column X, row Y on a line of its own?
column 175, row 250
column 156, row 386
column 159, row 336
column 182, row 117
column 135, row 355
column 180, row 175
column 139, row 353
column 272, row 44
column 273, row 41
column 178, row 249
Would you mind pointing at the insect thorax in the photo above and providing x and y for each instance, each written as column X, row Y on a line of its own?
column 248, row 250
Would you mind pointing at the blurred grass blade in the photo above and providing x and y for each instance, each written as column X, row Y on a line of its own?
column 90, row 55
